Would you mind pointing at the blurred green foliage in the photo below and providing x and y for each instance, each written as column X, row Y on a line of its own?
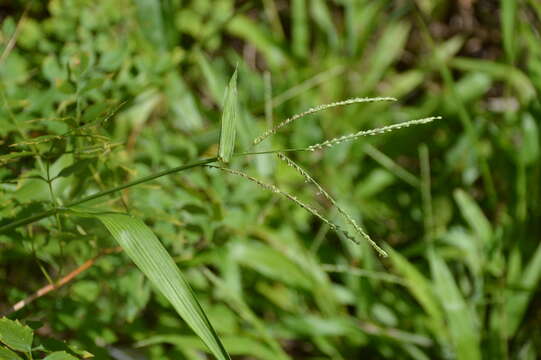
column 95, row 94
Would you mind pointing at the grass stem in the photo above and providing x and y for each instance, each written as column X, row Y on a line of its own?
column 56, row 210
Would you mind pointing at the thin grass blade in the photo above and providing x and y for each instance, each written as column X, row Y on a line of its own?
column 421, row 290
column 508, row 20
column 147, row 252
column 240, row 346
column 463, row 328
column 300, row 31
column 473, row 214
column 518, row 302
column 229, row 121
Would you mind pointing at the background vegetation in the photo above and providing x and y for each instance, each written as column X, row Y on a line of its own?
column 95, row 94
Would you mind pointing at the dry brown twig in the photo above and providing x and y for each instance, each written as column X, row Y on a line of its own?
column 63, row 281
column 13, row 39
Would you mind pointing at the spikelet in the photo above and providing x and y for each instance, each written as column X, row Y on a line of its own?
column 342, row 212
column 318, row 108
column 276, row 190
column 377, row 131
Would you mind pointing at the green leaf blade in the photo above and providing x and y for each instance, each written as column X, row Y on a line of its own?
column 60, row 355
column 517, row 302
column 16, row 335
column 147, row 252
column 229, row 121
column 473, row 214
column 6, row 354
column 418, row 284
column 461, row 319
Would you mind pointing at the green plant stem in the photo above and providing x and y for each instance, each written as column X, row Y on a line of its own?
column 426, row 195
column 270, row 152
column 392, row 166
column 56, row 210
column 144, row 179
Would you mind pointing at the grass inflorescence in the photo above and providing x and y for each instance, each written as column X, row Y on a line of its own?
column 276, row 190
column 371, row 132
column 99, row 118
column 342, row 212
column 316, row 109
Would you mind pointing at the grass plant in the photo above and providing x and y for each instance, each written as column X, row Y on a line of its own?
column 144, row 157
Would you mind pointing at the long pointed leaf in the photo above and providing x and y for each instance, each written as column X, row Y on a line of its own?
column 229, row 121
column 517, row 302
column 421, row 290
column 147, row 252
column 462, row 324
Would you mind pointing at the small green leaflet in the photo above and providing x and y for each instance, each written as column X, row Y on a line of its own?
column 6, row 354
column 60, row 355
column 148, row 253
column 16, row 335
column 229, row 121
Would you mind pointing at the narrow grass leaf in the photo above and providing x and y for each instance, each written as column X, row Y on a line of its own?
column 254, row 33
column 473, row 214
column 299, row 28
column 270, row 263
column 528, row 153
column 391, row 165
column 460, row 318
column 322, row 289
column 370, row 274
column 508, row 18
column 147, row 252
column 322, row 17
column 229, row 121
column 183, row 108
column 472, row 86
column 521, row 83
column 215, row 80
column 239, row 346
column 404, row 83
column 362, row 20
column 310, row 83
column 421, row 290
column 235, row 301
column 517, row 304
column 388, row 49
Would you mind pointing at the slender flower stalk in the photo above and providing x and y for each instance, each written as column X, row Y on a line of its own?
column 56, row 210
column 290, row 197
column 203, row 162
column 315, row 109
column 371, row 132
column 324, row 193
